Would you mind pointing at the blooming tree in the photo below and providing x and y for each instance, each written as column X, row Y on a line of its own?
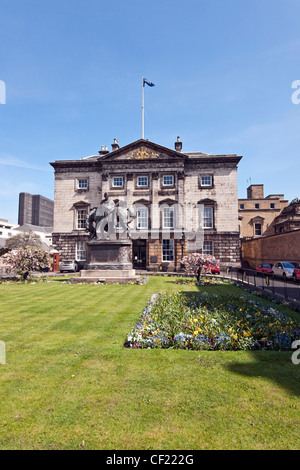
column 195, row 263
column 23, row 240
column 25, row 260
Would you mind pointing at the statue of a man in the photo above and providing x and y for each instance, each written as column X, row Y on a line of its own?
column 101, row 221
column 105, row 214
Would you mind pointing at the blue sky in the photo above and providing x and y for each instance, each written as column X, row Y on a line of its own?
column 223, row 73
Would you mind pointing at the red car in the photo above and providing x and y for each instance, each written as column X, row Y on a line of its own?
column 213, row 268
column 296, row 274
column 264, row 268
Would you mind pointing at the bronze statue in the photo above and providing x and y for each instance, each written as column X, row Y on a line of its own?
column 103, row 220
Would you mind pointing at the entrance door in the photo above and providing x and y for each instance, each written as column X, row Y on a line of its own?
column 139, row 254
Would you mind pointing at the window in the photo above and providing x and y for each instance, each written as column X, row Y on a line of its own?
column 256, row 206
column 82, row 183
column 80, row 251
column 207, row 217
column 206, row 180
column 242, row 206
column 142, row 181
column 257, row 230
column 168, row 180
column 81, row 219
column 168, row 250
column 117, row 181
column 207, row 248
column 272, row 205
column 142, row 217
column 168, row 217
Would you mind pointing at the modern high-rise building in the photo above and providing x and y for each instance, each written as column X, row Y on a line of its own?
column 35, row 210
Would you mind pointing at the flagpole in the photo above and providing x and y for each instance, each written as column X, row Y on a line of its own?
column 143, row 109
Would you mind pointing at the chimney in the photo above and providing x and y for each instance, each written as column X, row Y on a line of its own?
column 115, row 145
column 103, row 150
column 178, row 145
column 255, row 191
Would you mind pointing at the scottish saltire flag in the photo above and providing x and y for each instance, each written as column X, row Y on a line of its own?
column 148, row 82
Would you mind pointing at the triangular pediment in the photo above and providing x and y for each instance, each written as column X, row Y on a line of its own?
column 142, row 150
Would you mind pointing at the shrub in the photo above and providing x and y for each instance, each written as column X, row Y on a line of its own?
column 195, row 263
column 23, row 261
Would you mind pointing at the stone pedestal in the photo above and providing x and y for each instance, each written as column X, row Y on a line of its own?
column 108, row 260
column 108, row 255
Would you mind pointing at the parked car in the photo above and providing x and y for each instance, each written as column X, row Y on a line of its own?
column 296, row 274
column 68, row 265
column 265, row 268
column 213, row 268
column 283, row 269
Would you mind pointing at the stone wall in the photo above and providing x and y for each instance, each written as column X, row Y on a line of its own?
column 65, row 244
column 227, row 247
column 281, row 247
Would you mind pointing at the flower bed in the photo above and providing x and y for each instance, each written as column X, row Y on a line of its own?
column 202, row 281
column 212, row 322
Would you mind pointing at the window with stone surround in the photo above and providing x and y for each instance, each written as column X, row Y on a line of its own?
column 208, row 247
column 168, row 217
column 82, row 184
column 206, row 181
column 168, row 180
column 206, row 214
column 142, row 182
column 80, row 251
column 81, row 216
column 117, row 182
column 167, row 250
column 208, row 217
column 257, row 229
column 142, row 217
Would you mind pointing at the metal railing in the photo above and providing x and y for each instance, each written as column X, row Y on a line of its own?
column 282, row 288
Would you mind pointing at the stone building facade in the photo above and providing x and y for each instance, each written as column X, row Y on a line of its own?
column 288, row 219
column 257, row 213
column 179, row 202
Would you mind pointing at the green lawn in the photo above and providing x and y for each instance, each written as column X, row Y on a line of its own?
column 68, row 383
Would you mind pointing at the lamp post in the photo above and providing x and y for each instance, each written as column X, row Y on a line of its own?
column 182, row 242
